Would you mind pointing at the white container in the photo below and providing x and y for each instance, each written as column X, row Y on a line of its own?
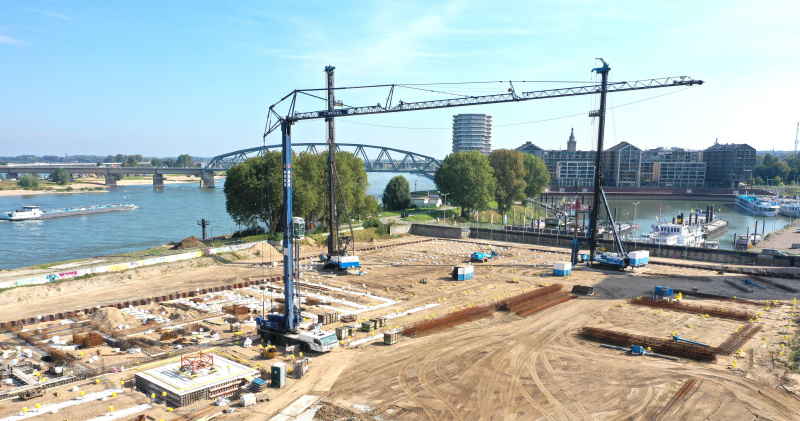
column 564, row 266
column 59, row 370
column 55, row 339
column 639, row 254
column 28, row 353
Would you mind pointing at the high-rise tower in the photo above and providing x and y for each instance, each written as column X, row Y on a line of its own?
column 472, row 132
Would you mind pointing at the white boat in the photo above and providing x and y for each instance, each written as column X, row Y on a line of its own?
column 33, row 212
column 27, row 212
column 675, row 235
column 757, row 205
column 791, row 210
column 742, row 242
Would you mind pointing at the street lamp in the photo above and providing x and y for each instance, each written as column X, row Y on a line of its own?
column 444, row 203
column 635, row 228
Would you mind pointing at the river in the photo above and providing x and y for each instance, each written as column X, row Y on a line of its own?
column 166, row 215
column 171, row 214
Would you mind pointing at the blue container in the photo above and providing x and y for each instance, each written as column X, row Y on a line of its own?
column 562, row 273
column 663, row 291
column 466, row 276
column 637, row 349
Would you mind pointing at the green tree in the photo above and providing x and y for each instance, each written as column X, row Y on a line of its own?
column 536, row 175
column 60, row 176
column 509, row 175
column 252, row 187
column 131, row 161
column 248, row 200
column 156, row 162
column 169, row 162
column 184, row 161
column 28, row 182
column 120, row 158
column 309, row 192
column 468, row 179
column 758, row 181
column 371, row 207
column 397, row 194
column 354, row 183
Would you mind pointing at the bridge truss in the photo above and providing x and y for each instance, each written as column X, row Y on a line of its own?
column 376, row 158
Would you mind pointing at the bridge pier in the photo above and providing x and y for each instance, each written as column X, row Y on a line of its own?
column 111, row 180
column 13, row 175
column 158, row 181
column 207, row 180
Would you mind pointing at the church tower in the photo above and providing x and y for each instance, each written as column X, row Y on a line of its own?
column 572, row 145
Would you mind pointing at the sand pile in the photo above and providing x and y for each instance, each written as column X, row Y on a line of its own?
column 189, row 243
column 111, row 317
column 268, row 250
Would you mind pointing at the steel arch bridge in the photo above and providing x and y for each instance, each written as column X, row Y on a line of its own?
column 376, row 158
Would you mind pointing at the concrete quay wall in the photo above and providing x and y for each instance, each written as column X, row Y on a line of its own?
column 688, row 253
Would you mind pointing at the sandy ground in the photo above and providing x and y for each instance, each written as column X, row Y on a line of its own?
column 92, row 182
column 503, row 367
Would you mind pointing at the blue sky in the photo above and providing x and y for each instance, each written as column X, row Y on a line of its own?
column 165, row 78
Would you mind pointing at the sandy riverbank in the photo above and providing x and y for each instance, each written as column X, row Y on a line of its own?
column 94, row 182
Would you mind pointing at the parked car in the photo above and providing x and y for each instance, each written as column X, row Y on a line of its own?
column 774, row 252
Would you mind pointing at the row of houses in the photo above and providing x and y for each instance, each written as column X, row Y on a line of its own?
column 625, row 165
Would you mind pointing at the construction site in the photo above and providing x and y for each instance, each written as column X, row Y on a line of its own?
column 412, row 328
column 515, row 341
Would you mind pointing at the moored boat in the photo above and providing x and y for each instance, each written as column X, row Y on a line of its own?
column 757, row 205
column 791, row 209
column 32, row 212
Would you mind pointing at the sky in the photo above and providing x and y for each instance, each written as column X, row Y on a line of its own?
column 165, row 78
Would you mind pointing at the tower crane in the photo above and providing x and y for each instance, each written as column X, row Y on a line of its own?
column 287, row 322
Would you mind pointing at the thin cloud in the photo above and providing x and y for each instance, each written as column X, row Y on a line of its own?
column 48, row 13
column 57, row 16
column 11, row 40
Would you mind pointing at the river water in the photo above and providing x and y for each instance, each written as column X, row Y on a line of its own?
column 166, row 215
column 648, row 210
column 171, row 214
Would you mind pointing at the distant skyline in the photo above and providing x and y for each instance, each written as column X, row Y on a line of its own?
column 167, row 78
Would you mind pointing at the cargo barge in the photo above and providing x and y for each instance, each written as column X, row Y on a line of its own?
column 32, row 212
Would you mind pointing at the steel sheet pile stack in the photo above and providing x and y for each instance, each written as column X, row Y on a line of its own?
column 657, row 345
column 425, row 327
column 535, row 301
column 55, row 354
column 510, row 304
column 713, row 311
column 236, row 310
column 735, row 342
column 687, row 293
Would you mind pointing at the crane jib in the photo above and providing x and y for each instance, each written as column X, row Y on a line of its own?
column 497, row 98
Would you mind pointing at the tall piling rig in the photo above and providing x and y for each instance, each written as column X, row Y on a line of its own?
column 287, row 322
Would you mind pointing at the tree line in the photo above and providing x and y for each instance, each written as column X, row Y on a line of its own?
column 181, row 161
column 471, row 180
column 254, row 189
column 772, row 168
